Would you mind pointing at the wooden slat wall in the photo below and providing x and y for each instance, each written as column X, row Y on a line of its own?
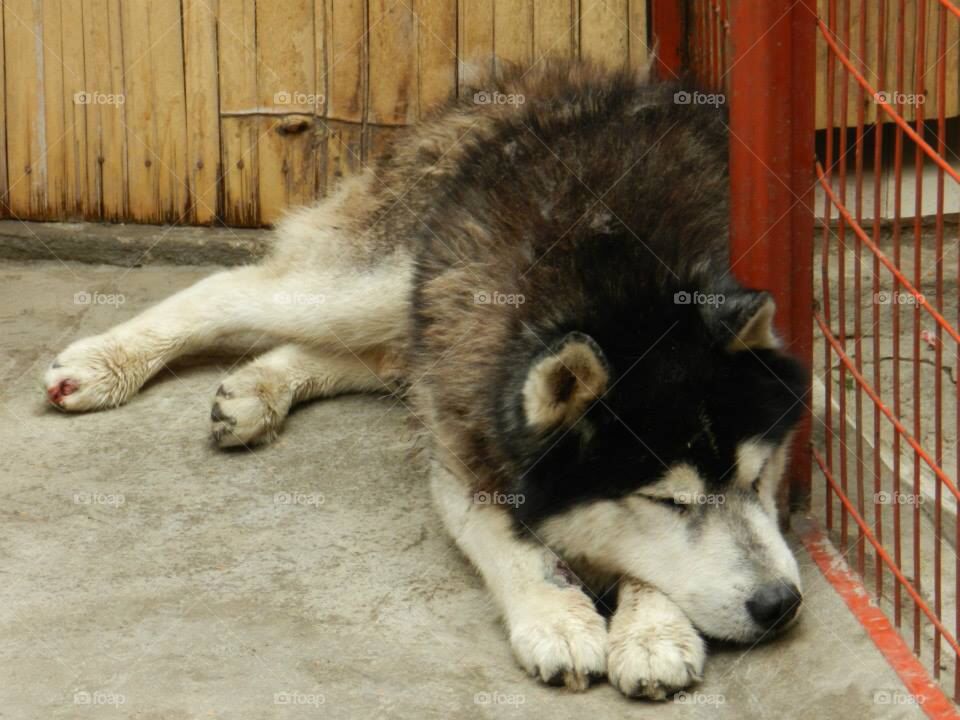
column 154, row 111
column 4, row 173
column 204, row 111
column 107, row 189
column 202, row 88
column 26, row 115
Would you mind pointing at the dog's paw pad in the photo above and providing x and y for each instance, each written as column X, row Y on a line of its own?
column 655, row 663
column 60, row 389
column 93, row 374
column 563, row 646
column 247, row 413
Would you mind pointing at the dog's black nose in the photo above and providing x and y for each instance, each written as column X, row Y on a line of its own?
column 774, row 605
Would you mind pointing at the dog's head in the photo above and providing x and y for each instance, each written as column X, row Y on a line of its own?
column 654, row 447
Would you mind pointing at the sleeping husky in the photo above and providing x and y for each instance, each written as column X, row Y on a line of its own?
column 542, row 267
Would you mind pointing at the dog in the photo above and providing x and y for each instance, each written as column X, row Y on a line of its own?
column 542, row 267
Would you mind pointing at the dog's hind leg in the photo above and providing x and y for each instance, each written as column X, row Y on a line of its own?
column 247, row 309
column 556, row 633
column 654, row 648
column 106, row 370
column 252, row 402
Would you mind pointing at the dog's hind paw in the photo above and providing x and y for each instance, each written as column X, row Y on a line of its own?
column 654, row 649
column 95, row 373
column 249, row 408
column 562, row 641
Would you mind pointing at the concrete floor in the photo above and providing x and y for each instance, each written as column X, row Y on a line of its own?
column 147, row 575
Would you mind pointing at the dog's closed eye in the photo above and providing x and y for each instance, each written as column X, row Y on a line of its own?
column 666, row 501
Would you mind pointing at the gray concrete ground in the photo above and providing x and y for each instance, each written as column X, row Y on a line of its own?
column 147, row 575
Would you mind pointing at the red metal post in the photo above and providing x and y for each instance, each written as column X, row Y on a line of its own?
column 669, row 31
column 772, row 91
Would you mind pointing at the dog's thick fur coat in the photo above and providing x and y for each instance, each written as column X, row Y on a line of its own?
column 548, row 279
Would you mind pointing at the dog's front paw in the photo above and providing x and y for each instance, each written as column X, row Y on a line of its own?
column 95, row 373
column 654, row 662
column 561, row 639
column 249, row 409
column 654, row 648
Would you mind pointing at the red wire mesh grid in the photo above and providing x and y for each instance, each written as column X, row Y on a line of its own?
column 884, row 321
column 884, row 307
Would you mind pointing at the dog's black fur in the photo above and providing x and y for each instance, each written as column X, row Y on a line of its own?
column 601, row 198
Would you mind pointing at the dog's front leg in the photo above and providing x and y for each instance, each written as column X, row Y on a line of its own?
column 654, row 648
column 556, row 633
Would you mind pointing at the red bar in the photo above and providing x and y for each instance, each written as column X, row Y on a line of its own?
column 895, row 307
column 825, row 270
column 842, row 267
column 858, row 292
column 700, row 45
column 920, row 68
column 718, row 37
column 668, row 32
column 951, row 7
column 772, row 90
column 956, row 673
column 721, row 85
column 877, row 211
column 938, row 350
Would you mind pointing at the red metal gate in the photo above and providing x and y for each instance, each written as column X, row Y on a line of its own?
column 885, row 401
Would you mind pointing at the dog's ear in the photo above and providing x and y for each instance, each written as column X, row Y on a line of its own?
column 562, row 383
column 744, row 321
column 753, row 328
